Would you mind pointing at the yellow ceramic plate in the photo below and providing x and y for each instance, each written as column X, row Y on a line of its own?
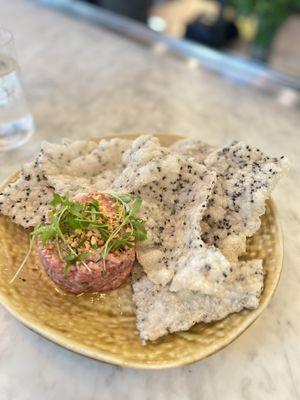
column 102, row 326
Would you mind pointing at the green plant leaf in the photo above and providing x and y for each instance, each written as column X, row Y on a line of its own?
column 140, row 232
column 136, row 205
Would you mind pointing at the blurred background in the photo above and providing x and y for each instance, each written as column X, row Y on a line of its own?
column 267, row 31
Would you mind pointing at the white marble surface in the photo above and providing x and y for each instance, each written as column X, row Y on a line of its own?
column 83, row 81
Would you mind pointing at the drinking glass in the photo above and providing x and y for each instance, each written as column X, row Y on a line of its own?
column 16, row 122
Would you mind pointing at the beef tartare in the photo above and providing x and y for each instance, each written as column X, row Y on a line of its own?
column 94, row 276
column 86, row 244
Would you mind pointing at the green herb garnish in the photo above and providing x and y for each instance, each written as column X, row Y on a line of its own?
column 66, row 218
column 137, row 230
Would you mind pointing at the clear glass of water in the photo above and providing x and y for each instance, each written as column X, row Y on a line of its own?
column 16, row 122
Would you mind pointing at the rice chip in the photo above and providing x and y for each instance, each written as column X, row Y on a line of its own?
column 245, row 179
column 26, row 200
column 83, row 166
column 175, row 192
column 68, row 168
column 160, row 311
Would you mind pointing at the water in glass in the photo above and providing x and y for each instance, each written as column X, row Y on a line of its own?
column 16, row 122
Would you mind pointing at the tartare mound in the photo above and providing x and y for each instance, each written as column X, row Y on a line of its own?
column 92, row 274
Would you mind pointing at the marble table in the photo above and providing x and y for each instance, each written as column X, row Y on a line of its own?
column 83, row 81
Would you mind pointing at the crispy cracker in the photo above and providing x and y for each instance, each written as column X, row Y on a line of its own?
column 26, row 200
column 72, row 167
column 83, row 166
column 160, row 311
column 174, row 192
column 245, row 179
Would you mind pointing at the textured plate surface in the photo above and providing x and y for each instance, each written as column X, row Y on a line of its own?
column 102, row 326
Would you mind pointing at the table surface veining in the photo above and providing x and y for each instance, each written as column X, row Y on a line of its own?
column 83, row 81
